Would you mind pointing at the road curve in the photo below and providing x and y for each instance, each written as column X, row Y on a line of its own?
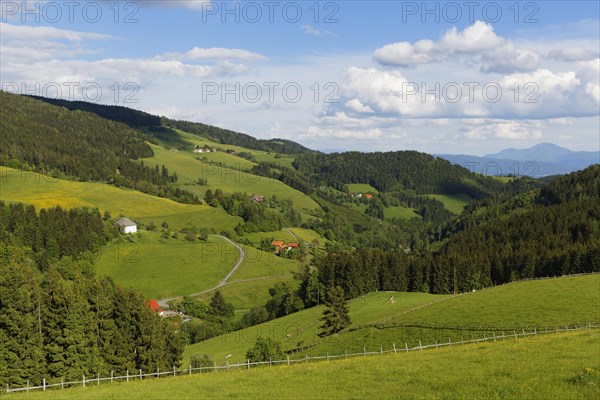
column 164, row 302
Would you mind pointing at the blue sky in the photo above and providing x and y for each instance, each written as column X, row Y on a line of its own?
column 362, row 68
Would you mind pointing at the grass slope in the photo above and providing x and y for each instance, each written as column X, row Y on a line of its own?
column 230, row 180
column 162, row 268
column 528, row 304
column 302, row 328
column 453, row 202
column 400, row 212
column 563, row 366
column 361, row 188
column 44, row 192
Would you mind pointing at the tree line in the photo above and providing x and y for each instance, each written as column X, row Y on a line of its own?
column 57, row 320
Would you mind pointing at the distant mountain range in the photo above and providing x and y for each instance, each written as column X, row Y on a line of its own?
column 540, row 160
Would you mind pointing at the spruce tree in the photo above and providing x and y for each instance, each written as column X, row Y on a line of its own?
column 335, row 317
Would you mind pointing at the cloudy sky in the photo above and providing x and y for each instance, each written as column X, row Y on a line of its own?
column 440, row 77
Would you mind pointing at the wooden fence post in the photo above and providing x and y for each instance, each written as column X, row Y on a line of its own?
column 345, row 353
column 98, row 379
column 327, row 356
column 306, row 358
column 127, row 375
column 112, row 376
column 248, row 361
column 157, row 371
column 140, row 374
column 406, row 346
column 44, row 382
column 174, row 370
column 83, row 381
column 394, row 344
column 288, row 359
column 62, row 383
column 215, row 367
column 364, row 351
column 190, row 369
column 420, row 346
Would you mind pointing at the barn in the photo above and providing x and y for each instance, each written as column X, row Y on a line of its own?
column 126, row 225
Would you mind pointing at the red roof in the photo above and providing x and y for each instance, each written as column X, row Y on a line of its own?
column 278, row 243
column 154, row 306
column 293, row 245
column 368, row 196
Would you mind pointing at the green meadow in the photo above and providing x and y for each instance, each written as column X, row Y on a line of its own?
column 453, row 202
column 302, row 328
column 519, row 305
column 230, row 180
column 400, row 212
column 500, row 310
column 44, row 192
column 557, row 366
column 162, row 268
column 361, row 188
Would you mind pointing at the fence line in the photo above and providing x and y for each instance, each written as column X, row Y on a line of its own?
column 139, row 375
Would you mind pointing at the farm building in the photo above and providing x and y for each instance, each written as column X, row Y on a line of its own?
column 127, row 225
column 258, row 198
column 154, row 306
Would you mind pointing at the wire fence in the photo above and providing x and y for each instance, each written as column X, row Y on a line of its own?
column 400, row 348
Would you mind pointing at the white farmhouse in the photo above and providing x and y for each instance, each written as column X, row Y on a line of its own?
column 127, row 225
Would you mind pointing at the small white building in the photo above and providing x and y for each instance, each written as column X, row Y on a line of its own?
column 127, row 225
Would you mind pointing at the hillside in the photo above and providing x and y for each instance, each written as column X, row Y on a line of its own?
column 555, row 366
column 78, row 145
column 518, row 305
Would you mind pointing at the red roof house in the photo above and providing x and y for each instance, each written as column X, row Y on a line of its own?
column 293, row 245
column 154, row 306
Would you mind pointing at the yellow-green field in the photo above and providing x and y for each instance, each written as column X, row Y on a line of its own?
column 557, row 366
column 44, row 192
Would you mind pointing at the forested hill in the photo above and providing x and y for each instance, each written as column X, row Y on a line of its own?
column 125, row 115
column 548, row 232
column 136, row 118
column 79, row 145
column 394, row 171
column 235, row 138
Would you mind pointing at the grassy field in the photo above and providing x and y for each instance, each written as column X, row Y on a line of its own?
column 189, row 170
column 162, row 268
column 230, row 160
column 528, row 304
column 303, row 327
column 559, row 366
column 361, row 188
column 247, row 294
column 453, row 202
column 43, row 192
column 400, row 212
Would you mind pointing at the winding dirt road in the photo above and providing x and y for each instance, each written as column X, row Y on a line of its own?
column 164, row 302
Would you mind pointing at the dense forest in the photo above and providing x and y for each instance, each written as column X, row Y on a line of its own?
column 57, row 320
column 79, row 145
column 122, row 114
column 557, row 233
column 393, row 171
